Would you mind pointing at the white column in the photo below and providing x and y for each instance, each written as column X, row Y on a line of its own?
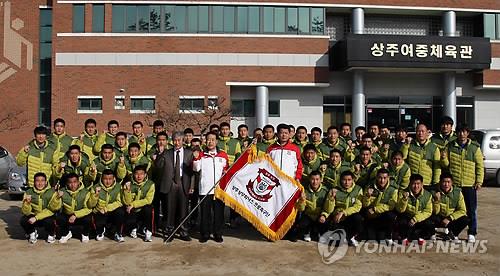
column 449, row 85
column 262, row 106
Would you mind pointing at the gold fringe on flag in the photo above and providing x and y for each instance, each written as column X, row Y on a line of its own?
column 250, row 217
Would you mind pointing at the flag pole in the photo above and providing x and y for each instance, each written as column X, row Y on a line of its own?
column 165, row 240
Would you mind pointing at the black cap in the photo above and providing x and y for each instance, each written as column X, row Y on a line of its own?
column 446, row 120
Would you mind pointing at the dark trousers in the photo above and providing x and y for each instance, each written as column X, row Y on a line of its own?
column 306, row 225
column 352, row 225
column 455, row 226
column 143, row 217
column 49, row 224
column 177, row 210
column 160, row 207
column 83, row 222
column 114, row 218
column 424, row 229
column 380, row 227
column 470, row 198
column 212, row 214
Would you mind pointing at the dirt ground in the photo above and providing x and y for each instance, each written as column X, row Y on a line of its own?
column 243, row 252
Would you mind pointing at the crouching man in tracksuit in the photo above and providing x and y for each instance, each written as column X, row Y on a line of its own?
column 347, row 201
column 449, row 208
column 379, row 201
column 138, row 199
column 78, row 203
column 316, row 205
column 415, row 208
column 40, row 203
column 109, row 209
column 211, row 164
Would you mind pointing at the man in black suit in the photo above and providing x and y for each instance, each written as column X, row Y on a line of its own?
column 176, row 182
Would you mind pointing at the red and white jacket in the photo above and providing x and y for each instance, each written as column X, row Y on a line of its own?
column 211, row 165
column 287, row 157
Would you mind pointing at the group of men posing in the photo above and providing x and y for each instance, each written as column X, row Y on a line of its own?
column 373, row 186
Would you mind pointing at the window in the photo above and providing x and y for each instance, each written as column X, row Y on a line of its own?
column 97, row 18
column 268, row 19
column 279, row 20
column 79, row 18
column 217, row 19
column 45, row 59
column 154, row 19
column 180, row 18
column 253, row 19
column 192, row 19
column 292, row 20
column 203, row 19
column 317, row 21
column 228, row 19
column 243, row 108
column 119, row 102
column 242, row 14
column 274, row 108
column 213, row 103
column 494, row 142
column 118, row 19
column 89, row 104
column 169, row 18
column 304, row 20
column 191, row 104
column 143, row 19
column 142, row 104
column 131, row 18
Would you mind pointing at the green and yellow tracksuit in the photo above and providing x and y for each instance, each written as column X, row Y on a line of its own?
column 400, row 176
column 82, row 169
column 418, row 207
column 465, row 163
column 424, row 159
column 308, row 168
column 231, row 146
column 348, row 201
column 262, row 146
column 331, row 178
column 109, row 198
column 44, row 203
column 62, row 141
column 131, row 163
column 103, row 138
column 112, row 164
column 352, row 155
column 136, row 139
column 121, row 151
column 39, row 159
column 300, row 144
column 242, row 142
column 87, row 144
column 322, row 150
column 443, row 140
column 328, row 147
column 382, row 199
column 79, row 203
column 367, row 174
column 451, row 205
column 318, row 203
column 140, row 194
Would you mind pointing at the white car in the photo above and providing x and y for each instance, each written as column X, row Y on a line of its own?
column 489, row 139
column 11, row 175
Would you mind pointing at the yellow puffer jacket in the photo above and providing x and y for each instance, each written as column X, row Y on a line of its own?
column 348, row 201
column 231, row 146
column 62, row 141
column 424, row 160
column 109, row 198
column 465, row 163
column 451, row 205
column 38, row 159
column 418, row 207
column 103, row 138
column 140, row 194
column 86, row 144
column 382, row 200
column 79, row 203
column 318, row 203
column 44, row 203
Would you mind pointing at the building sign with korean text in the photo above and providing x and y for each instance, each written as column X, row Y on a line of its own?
column 460, row 53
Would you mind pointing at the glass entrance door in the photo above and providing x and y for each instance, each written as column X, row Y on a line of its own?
column 410, row 117
column 383, row 116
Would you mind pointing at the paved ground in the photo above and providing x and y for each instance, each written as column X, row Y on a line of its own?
column 243, row 252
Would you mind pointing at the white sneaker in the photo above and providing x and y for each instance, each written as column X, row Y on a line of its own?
column 119, row 238
column 307, row 237
column 85, row 239
column 65, row 239
column 389, row 241
column 446, row 231
column 353, row 242
column 148, row 236
column 33, row 237
column 133, row 233
column 471, row 239
column 100, row 237
column 456, row 240
column 51, row 239
column 434, row 238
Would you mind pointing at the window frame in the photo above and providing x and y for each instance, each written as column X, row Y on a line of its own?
column 142, row 110
column 192, row 111
column 91, row 110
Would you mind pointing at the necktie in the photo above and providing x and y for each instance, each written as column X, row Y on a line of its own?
column 177, row 168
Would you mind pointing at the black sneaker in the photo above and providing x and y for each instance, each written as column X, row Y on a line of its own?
column 203, row 239
column 185, row 237
column 218, row 239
